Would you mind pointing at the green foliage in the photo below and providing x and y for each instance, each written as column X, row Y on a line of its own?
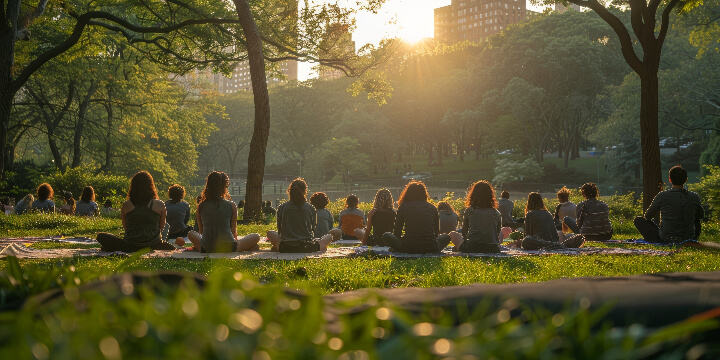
column 233, row 314
column 509, row 170
column 709, row 188
column 106, row 186
column 711, row 155
column 337, row 157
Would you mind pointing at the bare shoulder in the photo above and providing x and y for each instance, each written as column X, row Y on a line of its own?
column 158, row 205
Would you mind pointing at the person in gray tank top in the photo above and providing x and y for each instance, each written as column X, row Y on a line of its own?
column 86, row 206
column 143, row 216
column 216, row 218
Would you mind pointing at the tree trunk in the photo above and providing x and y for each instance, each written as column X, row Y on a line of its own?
column 649, row 140
column 6, row 98
column 8, row 29
column 440, row 153
column 80, row 125
column 261, row 129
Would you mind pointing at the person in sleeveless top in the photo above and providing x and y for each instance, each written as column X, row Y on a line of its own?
column 143, row 218
column 482, row 222
column 417, row 224
column 325, row 220
column 86, row 206
column 381, row 219
column 217, row 220
column 178, row 213
column 565, row 208
column 44, row 202
column 540, row 230
column 296, row 221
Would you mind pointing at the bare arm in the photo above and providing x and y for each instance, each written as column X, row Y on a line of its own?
column 163, row 213
column 368, row 227
column 124, row 209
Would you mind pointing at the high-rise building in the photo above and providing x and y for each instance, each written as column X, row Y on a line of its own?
column 240, row 77
column 562, row 8
column 337, row 43
column 477, row 20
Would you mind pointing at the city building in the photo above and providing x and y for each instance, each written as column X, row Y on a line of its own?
column 477, row 20
column 240, row 77
column 337, row 43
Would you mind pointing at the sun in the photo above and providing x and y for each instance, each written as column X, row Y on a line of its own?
column 414, row 24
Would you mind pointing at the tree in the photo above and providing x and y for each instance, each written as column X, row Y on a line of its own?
column 643, row 21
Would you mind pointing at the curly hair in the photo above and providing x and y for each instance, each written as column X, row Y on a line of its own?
column 352, row 201
column 176, row 192
column 297, row 190
column 589, row 191
column 216, row 186
column 88, row 194
column 563, row 195
column 45, row 191
column 142, row 189
column 535, row 202
column 415, row 190
column 481, row 195
column 383, row 200
column 319, row 200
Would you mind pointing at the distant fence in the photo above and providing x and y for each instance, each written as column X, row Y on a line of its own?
column 275, row 190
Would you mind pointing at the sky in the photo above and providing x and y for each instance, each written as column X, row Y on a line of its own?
column 411, row 20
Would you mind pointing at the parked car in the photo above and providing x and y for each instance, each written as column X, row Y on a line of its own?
column 668, row 142
column 417, row 176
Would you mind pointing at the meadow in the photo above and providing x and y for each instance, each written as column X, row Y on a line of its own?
column 243, row 309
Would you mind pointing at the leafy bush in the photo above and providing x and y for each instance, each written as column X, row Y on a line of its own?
column 709, row 187
column 106, row 186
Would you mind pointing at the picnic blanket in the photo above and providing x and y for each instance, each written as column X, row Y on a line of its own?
column 24, row 252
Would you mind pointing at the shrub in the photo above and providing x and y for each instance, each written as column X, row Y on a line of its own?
column 74, row 180
column 709, row 187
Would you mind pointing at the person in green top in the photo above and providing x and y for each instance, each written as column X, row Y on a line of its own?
column 296, row 221
column 143, row 218
column 481, row 221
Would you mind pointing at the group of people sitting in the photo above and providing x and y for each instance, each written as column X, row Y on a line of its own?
column 415, row 226
column 85, row 206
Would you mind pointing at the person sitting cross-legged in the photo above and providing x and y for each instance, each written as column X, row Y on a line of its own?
column 417, row 225
column 352, row 220
column 178, row 213
column 381, row 219
column 680, row 213
column 593, row 216
column 482, row 221
column 540, row 231
column 143, row 217
column 505, row 206
column 216, row 218
column 296, row 221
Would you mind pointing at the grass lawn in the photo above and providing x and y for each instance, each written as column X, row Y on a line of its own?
column 244, row 311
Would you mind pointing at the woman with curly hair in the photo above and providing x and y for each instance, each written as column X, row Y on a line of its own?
column 380, row 219
column 296, row 221
column 86, row 206
column 540, row 231
column 143, row 218
column 324, row 219
column 417, row 225
column 44, row 201
column 217, row 220
column 482, row 221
